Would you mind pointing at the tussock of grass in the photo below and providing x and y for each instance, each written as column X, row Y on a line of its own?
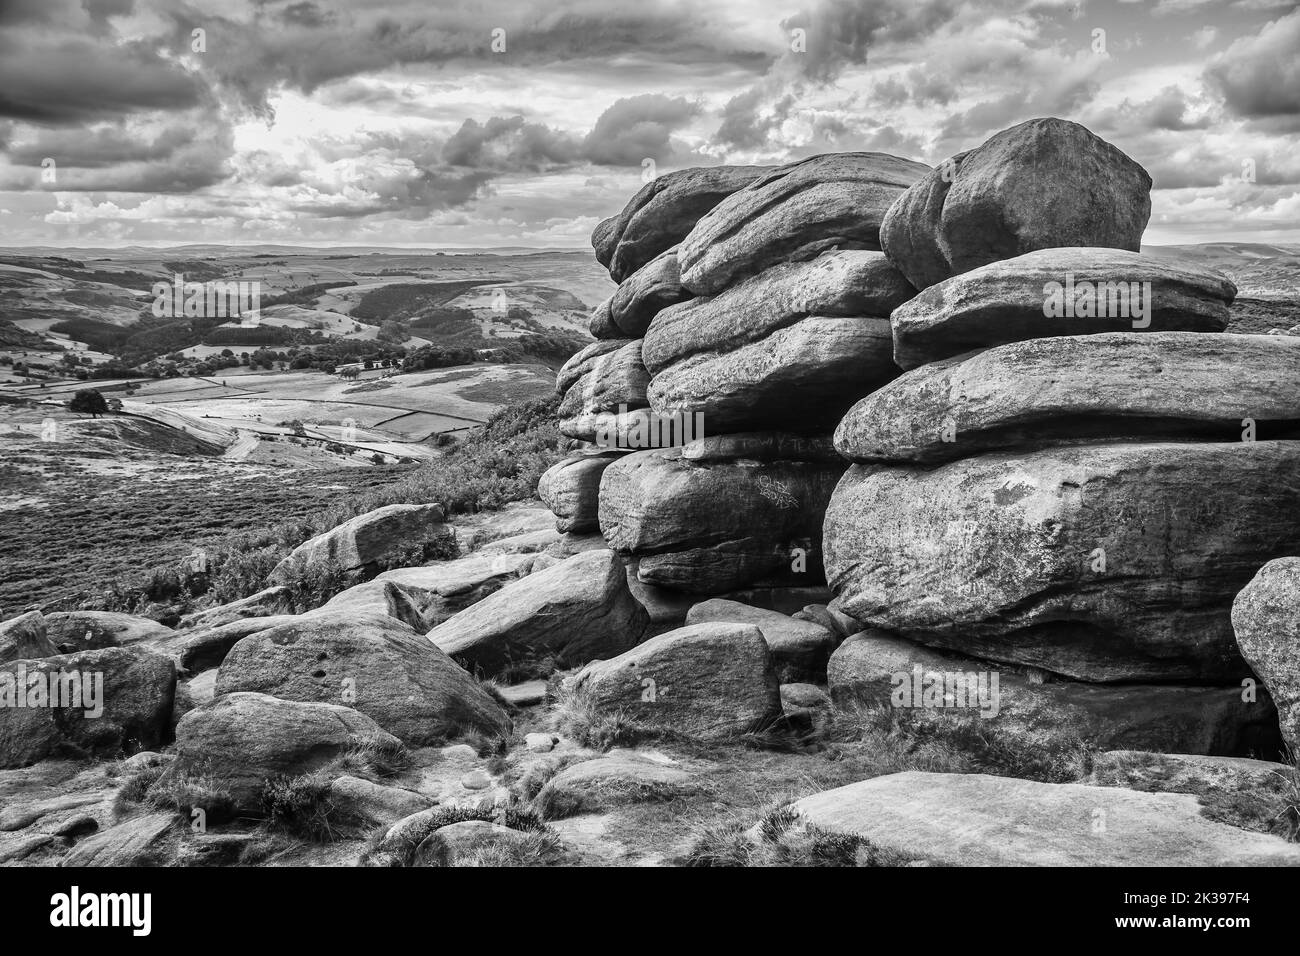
column 377, row 757
column 781, row 837
column 915, row 740
column 538, row 849
column 185, row 794
column 301, row 806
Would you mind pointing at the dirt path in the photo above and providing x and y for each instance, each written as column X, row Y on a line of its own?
column 244, row 446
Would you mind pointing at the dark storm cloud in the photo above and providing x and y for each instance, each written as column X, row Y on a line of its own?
column 76, row 80
column 96, row 149
column 638, row 127
column 1259, row 76
column 509, row 144
column 840, row 32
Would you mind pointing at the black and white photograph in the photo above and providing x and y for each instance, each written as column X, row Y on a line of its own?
column 626, row 434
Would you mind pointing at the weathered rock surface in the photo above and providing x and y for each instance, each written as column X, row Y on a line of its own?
column 799, row 649
column 265, row 603
column 356, row 798
column 1114, row 385
column 457, row 844
column 641, row 296
column 1042, row 184
column 601, row 321
column 1100, row 562
column 800, row 378
column 621, row 778
column 72, row 631
column 662, row 212
column 841, row 284
column 198, row 650
column 613, row 382
column 364, row 543
column 386, row 598
column 711, row 528
column 807, row 707
column 571, row 489
column 1266, row 620
column 712, row 681
column 92, row 702
column 241, row 740
column 24, row 638
column 1015, row 299
column 874, row 669
column 792, row 213
column 980, row 820
column 573, row 612
column 371, row 663
column 1188, row 773
column 439, row 590
column 762, row 446
column 138, row 841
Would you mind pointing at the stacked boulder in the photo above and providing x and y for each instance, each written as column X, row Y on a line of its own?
column 1078, row 470
column 759, row 324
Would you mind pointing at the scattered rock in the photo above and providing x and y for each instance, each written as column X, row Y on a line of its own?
column 364, row 544
column 799, row 649
column 24, row 638
column 979, row 820
column 619, row 779
column 242, row 740
column 476, row 780
column 1078, row 388
column 1010, row 301
column 110, row 700
column 793, row 213
column 1099, row 562
column 139, row 841
column 571, row 613
column 359, row 799
column 1266, row 619
column 72, row 631
column 370, row 663
column 807, row 707
column 540, row 743
column 710, row 681
column 527, row 694
column 270, row 601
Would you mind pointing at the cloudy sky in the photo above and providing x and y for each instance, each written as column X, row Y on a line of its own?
column 505, row 122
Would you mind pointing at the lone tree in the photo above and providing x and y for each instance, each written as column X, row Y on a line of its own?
column 88, row 400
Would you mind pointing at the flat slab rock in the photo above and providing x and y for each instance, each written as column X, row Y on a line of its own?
column 1009, row 301
column 1113, row 562
column 1078, row 388
column 980, row 820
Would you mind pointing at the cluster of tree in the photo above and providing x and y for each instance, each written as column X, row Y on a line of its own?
column 305, row 295
column 438, row 356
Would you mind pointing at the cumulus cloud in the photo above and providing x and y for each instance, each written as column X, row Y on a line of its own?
column 637, row 128
column 1260, row 75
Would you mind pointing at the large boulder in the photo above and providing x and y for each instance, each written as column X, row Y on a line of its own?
column 1114, row 385
column 1042, row 184
column 795, row 212
column 622, row 778
column 72, row 631
column 242, row 740
column 842, row 284
column 437, row 591
column 1101, row 562
column 875, row 669
column 571, row 489
column 362, row 545
column 1076, row 291
column 662, row 212
column 570, row 613
column 799, row 649
column 641, row 296
column 201, row 649
column 601, row 321
column 368, row 662
column 712, row 681
column 265, row 603
column 1266, row 619
column 24, row 638
column 92, row 702
column 950, row 819
column 803, row 377
column 712, row 527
